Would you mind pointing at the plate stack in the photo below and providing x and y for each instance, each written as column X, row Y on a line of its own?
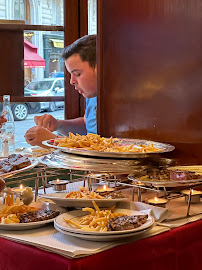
column 68, row 229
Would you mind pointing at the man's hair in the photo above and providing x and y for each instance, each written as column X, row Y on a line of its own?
column 85, row 47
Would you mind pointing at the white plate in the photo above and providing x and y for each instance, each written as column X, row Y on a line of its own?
column 32, row 225
column 34, row 162
column 59, row 199
column 24, row 226
column 76, row 214
column 121, row 142
column 101, row 238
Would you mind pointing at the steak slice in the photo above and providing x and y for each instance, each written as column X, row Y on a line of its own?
column 14, row 162
column 13, row 157
column 126, row 222
column 38, row 215
column 7, row 168
column 4, row 163
column 21, row 162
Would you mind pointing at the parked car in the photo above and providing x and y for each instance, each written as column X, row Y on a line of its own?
column 57, row 74
column 21, row 110
column 48, row 87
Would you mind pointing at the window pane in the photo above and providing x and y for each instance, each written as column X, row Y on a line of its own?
column 43, row 65
column 44, row 75
column 42, row 55
column 49, row 12
column 92, row 17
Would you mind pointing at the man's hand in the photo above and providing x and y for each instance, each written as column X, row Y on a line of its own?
column 2, row 120
column 37, row 134
column 47, row 121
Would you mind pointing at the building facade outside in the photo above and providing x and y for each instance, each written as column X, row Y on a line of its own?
column 39, row 12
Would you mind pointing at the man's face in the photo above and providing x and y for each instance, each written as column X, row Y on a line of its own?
column 83, row 76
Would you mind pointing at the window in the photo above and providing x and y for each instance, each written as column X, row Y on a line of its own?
column 41, row 22
column 92, row 16
column 22, row 10
column 42, row 58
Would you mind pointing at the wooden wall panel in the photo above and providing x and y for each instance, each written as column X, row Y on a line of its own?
column 76, row 25
column 12, row 63
column 71, row 24
column 150, row 72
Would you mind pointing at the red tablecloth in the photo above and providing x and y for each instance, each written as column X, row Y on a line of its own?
column 177, row 249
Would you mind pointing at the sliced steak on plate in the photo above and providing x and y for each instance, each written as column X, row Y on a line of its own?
column 126, row 222
column 39, row 215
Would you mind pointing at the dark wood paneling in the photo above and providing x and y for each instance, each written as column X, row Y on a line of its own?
column 83, row 30
column 151, row 70
column 76, row 25
column 12, row 63
column 34, row 99
column 71, row 25
column 83, row 12
column 21, row 27
column 99, row 58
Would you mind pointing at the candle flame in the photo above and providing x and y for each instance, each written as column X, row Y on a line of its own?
column 21, row 186
column 58, row 180
column 156, row 199
column 105, row 187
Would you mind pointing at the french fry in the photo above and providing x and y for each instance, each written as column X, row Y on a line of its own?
column 97, row 143
column 11, row 212
column 84, row 193
column 96, row 206
column 89, row 209
column 77, row 225
column 96, row 221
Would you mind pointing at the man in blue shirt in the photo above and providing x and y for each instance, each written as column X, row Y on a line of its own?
column 80, row 62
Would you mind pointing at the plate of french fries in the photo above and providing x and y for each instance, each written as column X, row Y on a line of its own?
column 11, row 211
column 91, row 223
column 81, row 198
column 95, row 145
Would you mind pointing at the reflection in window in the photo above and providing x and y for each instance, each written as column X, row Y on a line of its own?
column 19, row 10
column 40, row 85
column 56, row 63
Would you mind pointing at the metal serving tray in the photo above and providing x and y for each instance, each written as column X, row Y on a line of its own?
column 58, row 159
column 121, row 142
column 165, row 183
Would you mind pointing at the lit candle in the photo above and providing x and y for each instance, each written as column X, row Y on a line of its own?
column 58, row 184
column 193, row 192
column 195, row 195
column 158, row 201
column 105, row 189
column 19, row 189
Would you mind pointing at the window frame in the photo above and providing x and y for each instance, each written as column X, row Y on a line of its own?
column 76, row 15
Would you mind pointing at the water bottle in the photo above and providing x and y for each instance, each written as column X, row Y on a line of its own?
column 8, row 128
